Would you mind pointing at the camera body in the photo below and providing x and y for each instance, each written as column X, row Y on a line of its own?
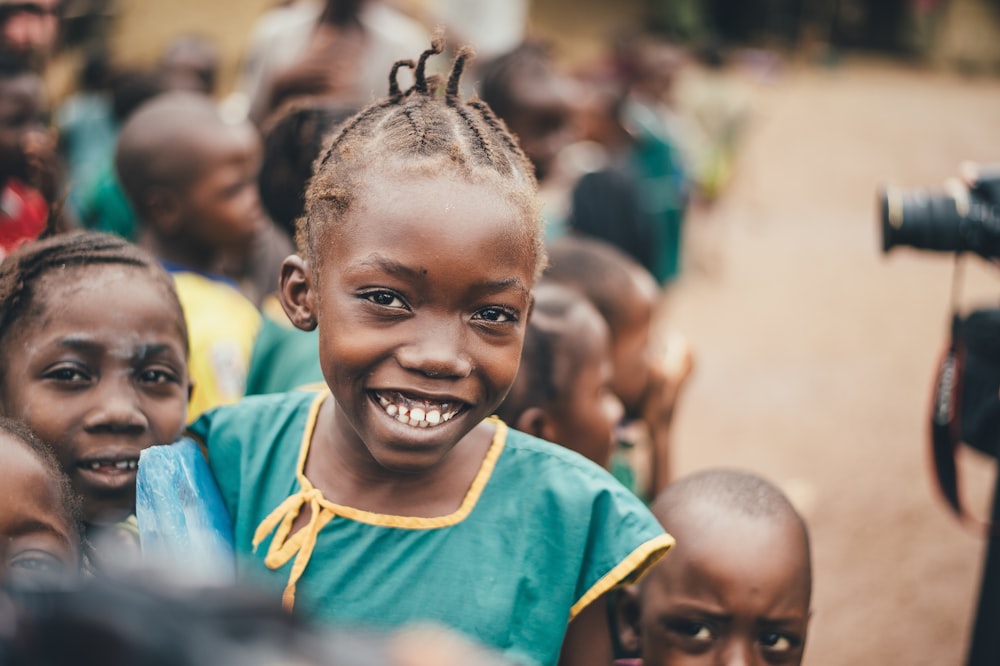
column 965, row 221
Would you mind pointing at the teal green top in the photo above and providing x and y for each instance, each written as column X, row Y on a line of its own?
column 283, row 359
column 541, row 533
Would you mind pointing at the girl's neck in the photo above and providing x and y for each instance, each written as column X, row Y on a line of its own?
column 348, row 475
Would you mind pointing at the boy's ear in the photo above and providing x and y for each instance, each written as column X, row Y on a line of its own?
column 160, row 207
column 297, row 293
column 532, row 421
column 625, row 620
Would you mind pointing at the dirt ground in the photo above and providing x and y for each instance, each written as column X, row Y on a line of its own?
column 815, row 352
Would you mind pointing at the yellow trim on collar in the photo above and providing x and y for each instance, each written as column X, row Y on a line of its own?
column 285, row 546
column 628, row 571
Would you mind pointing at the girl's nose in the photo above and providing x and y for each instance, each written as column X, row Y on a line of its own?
column 116, row 409
column 436, row 352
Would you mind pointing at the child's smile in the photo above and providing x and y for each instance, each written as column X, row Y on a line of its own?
column 417, row 412
column 420, row 330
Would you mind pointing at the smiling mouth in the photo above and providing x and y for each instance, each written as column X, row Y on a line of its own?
column 417, row 412
column 119, row 466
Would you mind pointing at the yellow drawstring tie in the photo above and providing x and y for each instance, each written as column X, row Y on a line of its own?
column 302, row 543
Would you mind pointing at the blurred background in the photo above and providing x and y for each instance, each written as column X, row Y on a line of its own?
column 814, row 352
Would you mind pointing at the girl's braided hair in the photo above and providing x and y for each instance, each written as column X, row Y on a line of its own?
column 417, row 133
column 21, row 272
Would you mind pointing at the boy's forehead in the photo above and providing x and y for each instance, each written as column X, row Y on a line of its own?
column 720, row 546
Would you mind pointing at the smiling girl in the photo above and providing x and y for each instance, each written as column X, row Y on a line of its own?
column 394, row 496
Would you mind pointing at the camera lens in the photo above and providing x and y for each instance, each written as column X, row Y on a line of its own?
column 921, row 219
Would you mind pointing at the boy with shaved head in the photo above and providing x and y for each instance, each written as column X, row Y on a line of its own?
column 192, row 179
column 736, row 589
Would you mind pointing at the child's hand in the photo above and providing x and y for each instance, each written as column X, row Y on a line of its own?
column 667, row 378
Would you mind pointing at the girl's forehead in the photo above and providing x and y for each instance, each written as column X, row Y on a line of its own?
column 105, row 294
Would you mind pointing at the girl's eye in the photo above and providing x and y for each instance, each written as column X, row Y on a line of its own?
column 67, row 374
column 385, row 299
column 696, row 631
column 37, row 561
column 777, row 642
column 496, row 315
column 157, row 376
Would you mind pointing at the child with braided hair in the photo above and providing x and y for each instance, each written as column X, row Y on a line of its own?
column 93, row 358
column 394, row 496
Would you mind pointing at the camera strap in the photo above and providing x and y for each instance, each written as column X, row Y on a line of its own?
column 946, row 416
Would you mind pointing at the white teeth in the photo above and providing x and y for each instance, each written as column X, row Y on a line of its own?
column 95, row 465
column 418, row 417
column 121, row 464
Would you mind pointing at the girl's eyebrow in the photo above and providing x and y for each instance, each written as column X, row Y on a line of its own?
column 495, row 286
column 382, row 263
column 158, row 349
column 28, row 526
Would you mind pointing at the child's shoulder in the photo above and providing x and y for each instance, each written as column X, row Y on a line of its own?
column 254, row 416
column 559, row 472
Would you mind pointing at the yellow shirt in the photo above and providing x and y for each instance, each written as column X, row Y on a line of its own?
column 222, row 326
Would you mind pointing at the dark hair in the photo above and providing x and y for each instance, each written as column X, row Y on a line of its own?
column 68, row 500
column 22, row 271
column 293, row 138
column 499, row 74
column 131, row 88
column 425, row 133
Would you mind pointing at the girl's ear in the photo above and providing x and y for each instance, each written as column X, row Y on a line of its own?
column 625, row 618
column 297, row 293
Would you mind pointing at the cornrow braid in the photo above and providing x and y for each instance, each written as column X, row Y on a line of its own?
column 415, row 133
column 21, row 272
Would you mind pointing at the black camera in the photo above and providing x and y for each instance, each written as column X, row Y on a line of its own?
column 965, row 221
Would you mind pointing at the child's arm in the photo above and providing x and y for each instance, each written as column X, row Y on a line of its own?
column 588, row 637
column 667, row 380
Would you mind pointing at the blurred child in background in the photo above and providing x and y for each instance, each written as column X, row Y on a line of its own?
column 94, row 359
column 285, row 357
column 647, row 381
column 192, row 180
column 563, row 388
column 28, row 174
column 736, row 591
